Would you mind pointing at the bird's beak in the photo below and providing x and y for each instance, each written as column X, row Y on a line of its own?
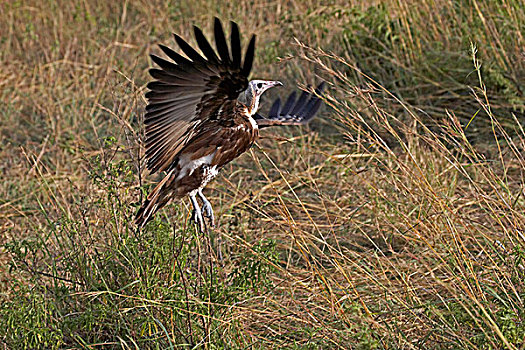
column 271, row 83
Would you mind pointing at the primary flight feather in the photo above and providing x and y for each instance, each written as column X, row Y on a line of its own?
column 202, row 114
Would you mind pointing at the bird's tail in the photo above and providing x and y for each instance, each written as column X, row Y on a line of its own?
column 158, row 198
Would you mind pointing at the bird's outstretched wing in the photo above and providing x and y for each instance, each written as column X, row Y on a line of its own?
column 188, row 90
column 294, row 112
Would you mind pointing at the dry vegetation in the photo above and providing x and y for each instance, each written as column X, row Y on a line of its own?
column 395, row 220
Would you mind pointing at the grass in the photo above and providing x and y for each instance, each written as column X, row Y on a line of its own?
column 394, row 220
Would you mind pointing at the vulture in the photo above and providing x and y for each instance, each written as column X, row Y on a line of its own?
column 202, row 114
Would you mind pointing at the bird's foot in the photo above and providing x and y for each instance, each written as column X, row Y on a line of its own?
column 196, row 217
column 207, row 211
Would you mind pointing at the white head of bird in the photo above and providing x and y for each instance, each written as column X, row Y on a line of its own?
column 250, row 97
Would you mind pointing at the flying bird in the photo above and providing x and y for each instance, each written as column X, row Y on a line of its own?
column 202, row 114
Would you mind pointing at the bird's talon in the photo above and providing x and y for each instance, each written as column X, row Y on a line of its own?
column 196, row 218
column 207, row 212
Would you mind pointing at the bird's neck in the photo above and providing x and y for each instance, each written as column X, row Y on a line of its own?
column 243, row 119
column 250, row 101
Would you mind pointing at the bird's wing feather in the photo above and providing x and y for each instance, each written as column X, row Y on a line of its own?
column 189, row 90
column 295, row 111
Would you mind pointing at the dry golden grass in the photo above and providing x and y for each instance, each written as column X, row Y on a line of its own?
column 395, row 220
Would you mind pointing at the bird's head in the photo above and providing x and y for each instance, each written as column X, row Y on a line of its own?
column 250, row 97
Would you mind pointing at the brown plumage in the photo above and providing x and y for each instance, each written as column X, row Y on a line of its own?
column 202, row 114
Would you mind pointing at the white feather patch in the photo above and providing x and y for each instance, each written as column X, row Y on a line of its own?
column 188, row 166
column 210, row 174
column 253, row 123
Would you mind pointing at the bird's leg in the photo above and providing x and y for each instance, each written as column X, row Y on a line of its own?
column 207, row 209
column 196, row 215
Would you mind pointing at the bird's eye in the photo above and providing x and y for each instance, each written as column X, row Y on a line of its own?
column 259, row 85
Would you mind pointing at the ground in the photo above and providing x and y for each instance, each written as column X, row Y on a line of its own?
column 394, row 220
